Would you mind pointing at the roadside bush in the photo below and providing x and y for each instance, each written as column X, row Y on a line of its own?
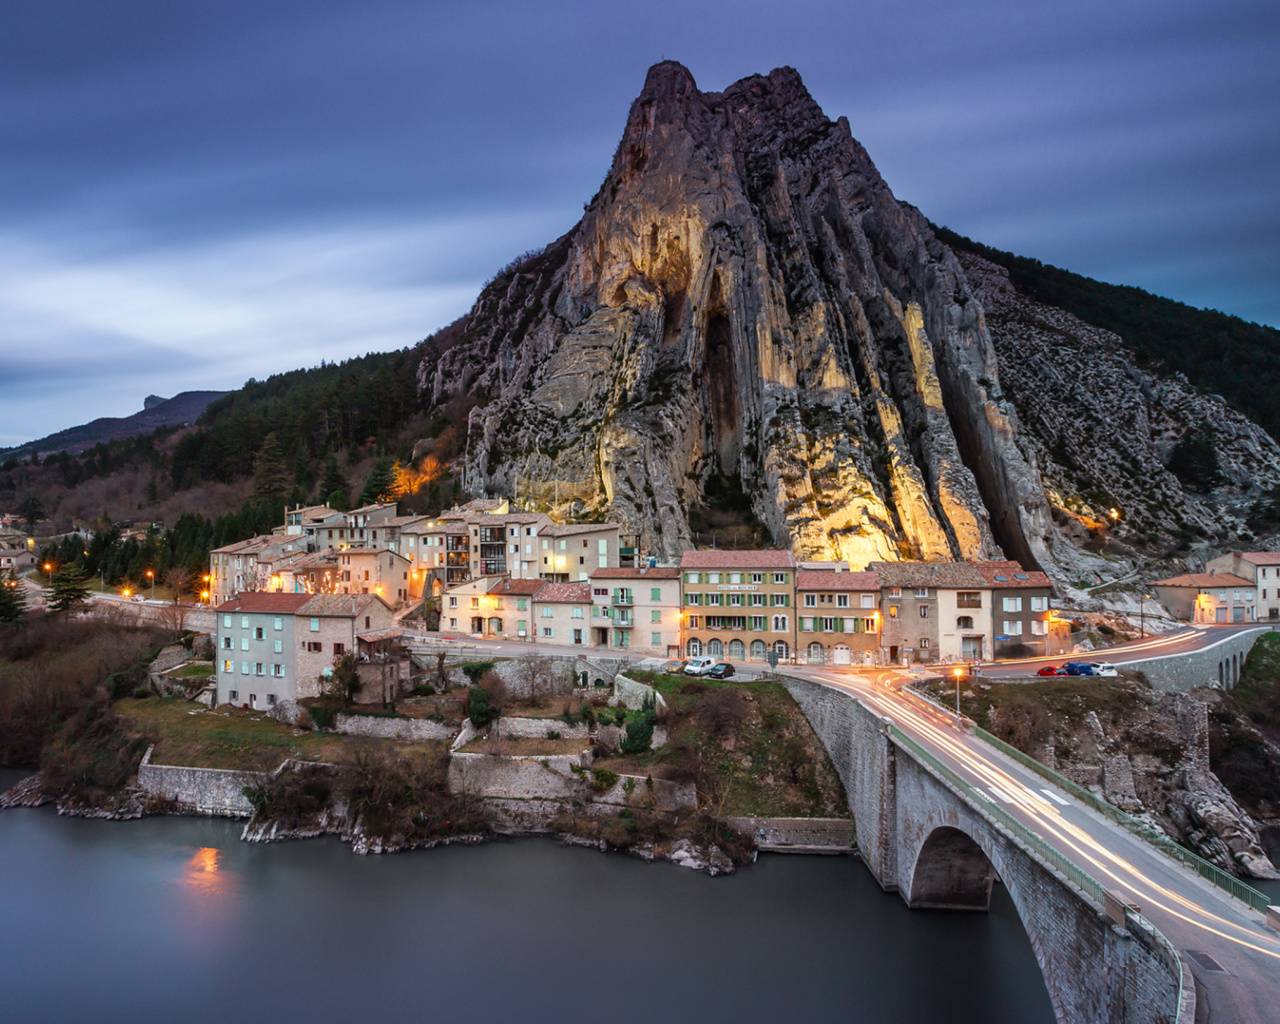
column 475, row 669
column 425, row 690
column 322, row 716
column 141, row 693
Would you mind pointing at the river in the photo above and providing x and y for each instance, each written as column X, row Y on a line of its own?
column 174, row 919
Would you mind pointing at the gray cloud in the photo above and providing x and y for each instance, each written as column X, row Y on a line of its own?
column 193, row 194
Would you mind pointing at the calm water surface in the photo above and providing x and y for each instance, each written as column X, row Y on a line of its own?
column 174, row 919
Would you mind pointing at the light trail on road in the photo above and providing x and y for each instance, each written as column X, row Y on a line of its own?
column 937, row 728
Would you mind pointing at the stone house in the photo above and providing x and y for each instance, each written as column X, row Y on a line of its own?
column 234, row 568
column 1208, row 597
column 562, row 614
column 933, row 611
column 1259, row 568
column 637, row 609
column 838, row 616
column 506, row 545
column 738, row 604
column 327, row 627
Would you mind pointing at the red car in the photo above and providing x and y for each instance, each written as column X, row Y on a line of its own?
column 1052, row 670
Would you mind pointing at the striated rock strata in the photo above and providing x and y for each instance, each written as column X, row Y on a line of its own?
column 745, row 297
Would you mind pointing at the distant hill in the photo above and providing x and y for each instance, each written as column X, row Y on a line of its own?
column 157, row 412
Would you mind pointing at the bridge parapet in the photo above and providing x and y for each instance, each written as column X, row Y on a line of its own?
column 926, row 833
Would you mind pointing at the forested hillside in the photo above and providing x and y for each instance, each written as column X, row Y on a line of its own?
column 1220, row 354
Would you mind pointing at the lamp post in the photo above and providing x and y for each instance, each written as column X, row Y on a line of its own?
column 957, row 672
column 152, row 577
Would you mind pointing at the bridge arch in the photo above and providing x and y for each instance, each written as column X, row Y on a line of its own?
column 951, row 872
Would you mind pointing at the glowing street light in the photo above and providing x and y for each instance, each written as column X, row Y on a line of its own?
column 152, row 577
column 1115, row 515
column 957, row 672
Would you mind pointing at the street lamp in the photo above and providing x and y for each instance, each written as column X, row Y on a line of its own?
column 152, row 577
column 957, row 672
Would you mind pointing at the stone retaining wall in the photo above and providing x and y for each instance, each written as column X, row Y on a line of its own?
column 214, row 791
column 411, row 729
column 484, row 776
column 516, row 728
column 799, row 835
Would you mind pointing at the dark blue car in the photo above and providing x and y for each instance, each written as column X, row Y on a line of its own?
column 1078, row 668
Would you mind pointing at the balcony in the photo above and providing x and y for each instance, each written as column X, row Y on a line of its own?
column 624, row 622
column 622, row 599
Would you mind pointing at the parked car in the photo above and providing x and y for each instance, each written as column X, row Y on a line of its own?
column 1052, row 670
column 1078, row 668
column 673, row 668
column 721, row 671
column 1102, row 669
column 699, row 666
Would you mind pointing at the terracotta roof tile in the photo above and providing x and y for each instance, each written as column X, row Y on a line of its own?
column 920, row 575
column 658, row 572
column 1205, row 580
column 278, row 604
column 564, row 593
column 756, row 559
column 826, row 579
column 1260, row 557
column 1009, row 575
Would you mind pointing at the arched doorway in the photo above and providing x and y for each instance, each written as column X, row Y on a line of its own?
column 817, row 655
column 693, row 648
column 782, row 649
column 757, row 650
column 737, row 649
column 715, row 648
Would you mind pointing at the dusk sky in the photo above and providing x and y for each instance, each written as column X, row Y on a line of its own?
column 193, row 194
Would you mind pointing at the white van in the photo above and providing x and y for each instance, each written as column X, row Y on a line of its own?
column 699, row 666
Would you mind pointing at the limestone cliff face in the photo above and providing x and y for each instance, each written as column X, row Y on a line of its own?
column 744, row 295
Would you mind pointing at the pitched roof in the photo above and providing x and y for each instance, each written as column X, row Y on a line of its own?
column 572, row 529
column 372, row 508
column 1008, row 575
column 1260, row 557
column 755, row 559
column 564, row 593
column 658, row 572
column 337, row 605
column 828, row 579
column 1203, row 580
column 401, row 521
column 278, row 604
column 379, row 634
column 243, row 547
column 520, row 587
column 919, row 575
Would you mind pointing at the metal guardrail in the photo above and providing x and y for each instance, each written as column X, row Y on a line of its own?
column 1071, row 871
column 1066, row 867
column 1210, row 872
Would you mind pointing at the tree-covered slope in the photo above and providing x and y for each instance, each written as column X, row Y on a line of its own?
column 1218, row 353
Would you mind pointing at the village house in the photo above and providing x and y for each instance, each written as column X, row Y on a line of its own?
column 1208, row 597
column 467, row 607
column 933, row 611
column 572, row 551
column 16, row 559
column 1259, row 568
column 738, row 604
column 1021, row 612
column 506, row 545
column 234, row 569
column 838, row 616
column 562, row 614
column 637, row 608
column 327, row 627
column 257, row 647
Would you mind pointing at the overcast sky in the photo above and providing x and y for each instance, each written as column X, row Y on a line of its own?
column 196, row 193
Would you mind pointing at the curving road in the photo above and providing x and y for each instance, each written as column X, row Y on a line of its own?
column 1202, row 921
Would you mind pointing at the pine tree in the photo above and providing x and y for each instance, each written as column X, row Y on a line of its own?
column 334, row 483
column 381, row 483
column 13, row 597
column 68, row 590
column 270, row 477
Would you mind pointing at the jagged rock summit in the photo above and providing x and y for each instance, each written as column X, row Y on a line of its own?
column 745, row 297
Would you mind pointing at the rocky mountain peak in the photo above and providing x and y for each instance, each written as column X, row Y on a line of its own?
column 745, row 300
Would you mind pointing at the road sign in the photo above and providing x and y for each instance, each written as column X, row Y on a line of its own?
column 773, row 659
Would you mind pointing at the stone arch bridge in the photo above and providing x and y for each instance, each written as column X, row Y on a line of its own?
column 925, row 834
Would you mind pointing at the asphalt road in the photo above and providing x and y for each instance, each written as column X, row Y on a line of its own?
column 1196, row 916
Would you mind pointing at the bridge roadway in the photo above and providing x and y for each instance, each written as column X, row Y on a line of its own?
column 1193, row 914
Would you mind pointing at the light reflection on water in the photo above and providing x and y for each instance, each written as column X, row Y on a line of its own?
column 175, row 919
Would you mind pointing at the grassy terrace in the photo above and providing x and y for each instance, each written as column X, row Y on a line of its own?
column 191, row 735
column 747, row 744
